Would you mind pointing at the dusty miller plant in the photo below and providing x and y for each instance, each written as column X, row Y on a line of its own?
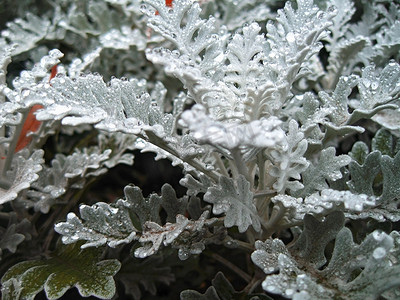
column 283, row 119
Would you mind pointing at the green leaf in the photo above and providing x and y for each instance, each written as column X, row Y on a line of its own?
column 11, row 290
column 70, row 266
column 236, row 201
column 359, row 152
column 383, row 142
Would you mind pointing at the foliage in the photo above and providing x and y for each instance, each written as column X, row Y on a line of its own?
column 250, row 145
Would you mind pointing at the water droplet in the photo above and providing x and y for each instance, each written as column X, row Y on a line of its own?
column 183, row 254
column 290, row 38
column 270, row 288
column 289, row 292
column 378, row 235
column 379, row 253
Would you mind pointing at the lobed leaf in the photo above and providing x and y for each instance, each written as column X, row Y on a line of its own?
column 235, row 200
column 69, row 267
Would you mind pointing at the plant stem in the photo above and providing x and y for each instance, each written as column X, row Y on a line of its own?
column 246, row 277
column 240, row 164
column 261, row 171
column 277, row 214
column 220, row 164
column 159, row 142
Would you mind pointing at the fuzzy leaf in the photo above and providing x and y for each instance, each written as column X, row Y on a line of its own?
column 363, row 175
column 391, row 178
column 245, row 53
column 171, row 204
column 179, row 25
column 154, row 236
column 210, row 294
column 315, row 236
column 146, row 209
column 244, row 12
column 69, row 267
column 377, row 170
column 15, row 233
column 221, row 289
column 289, row 162
column 103, row 223
column 26, row 33
column 73, row 170
column 195, row 186
column 188, row 236
column 86, row 100
column 359, row 152
column 342, row 54
column 382, row 142
column 340, row 22
column 337, row 103
column 146, row 273
column 362, row 271
column 24, row 172
column 267, row 253
column 196, row 236
column 236, row 201
column 293, row 40
column 257, row 134
column 376, row 89
column 65, row 171
column 327, row 168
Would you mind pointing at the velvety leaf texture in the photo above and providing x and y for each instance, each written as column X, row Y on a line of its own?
column 236, row 201
column 69, row 267
column 103, row 223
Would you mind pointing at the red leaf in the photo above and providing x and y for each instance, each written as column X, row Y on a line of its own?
column 167, row 3
column 31, row 124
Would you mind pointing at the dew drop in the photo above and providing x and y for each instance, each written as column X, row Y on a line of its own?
column 378, row 236
column 374, row 85
column 270, row 288
column 379, row 253
column 289, row 292
column 290, row 38
column 183, row 254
